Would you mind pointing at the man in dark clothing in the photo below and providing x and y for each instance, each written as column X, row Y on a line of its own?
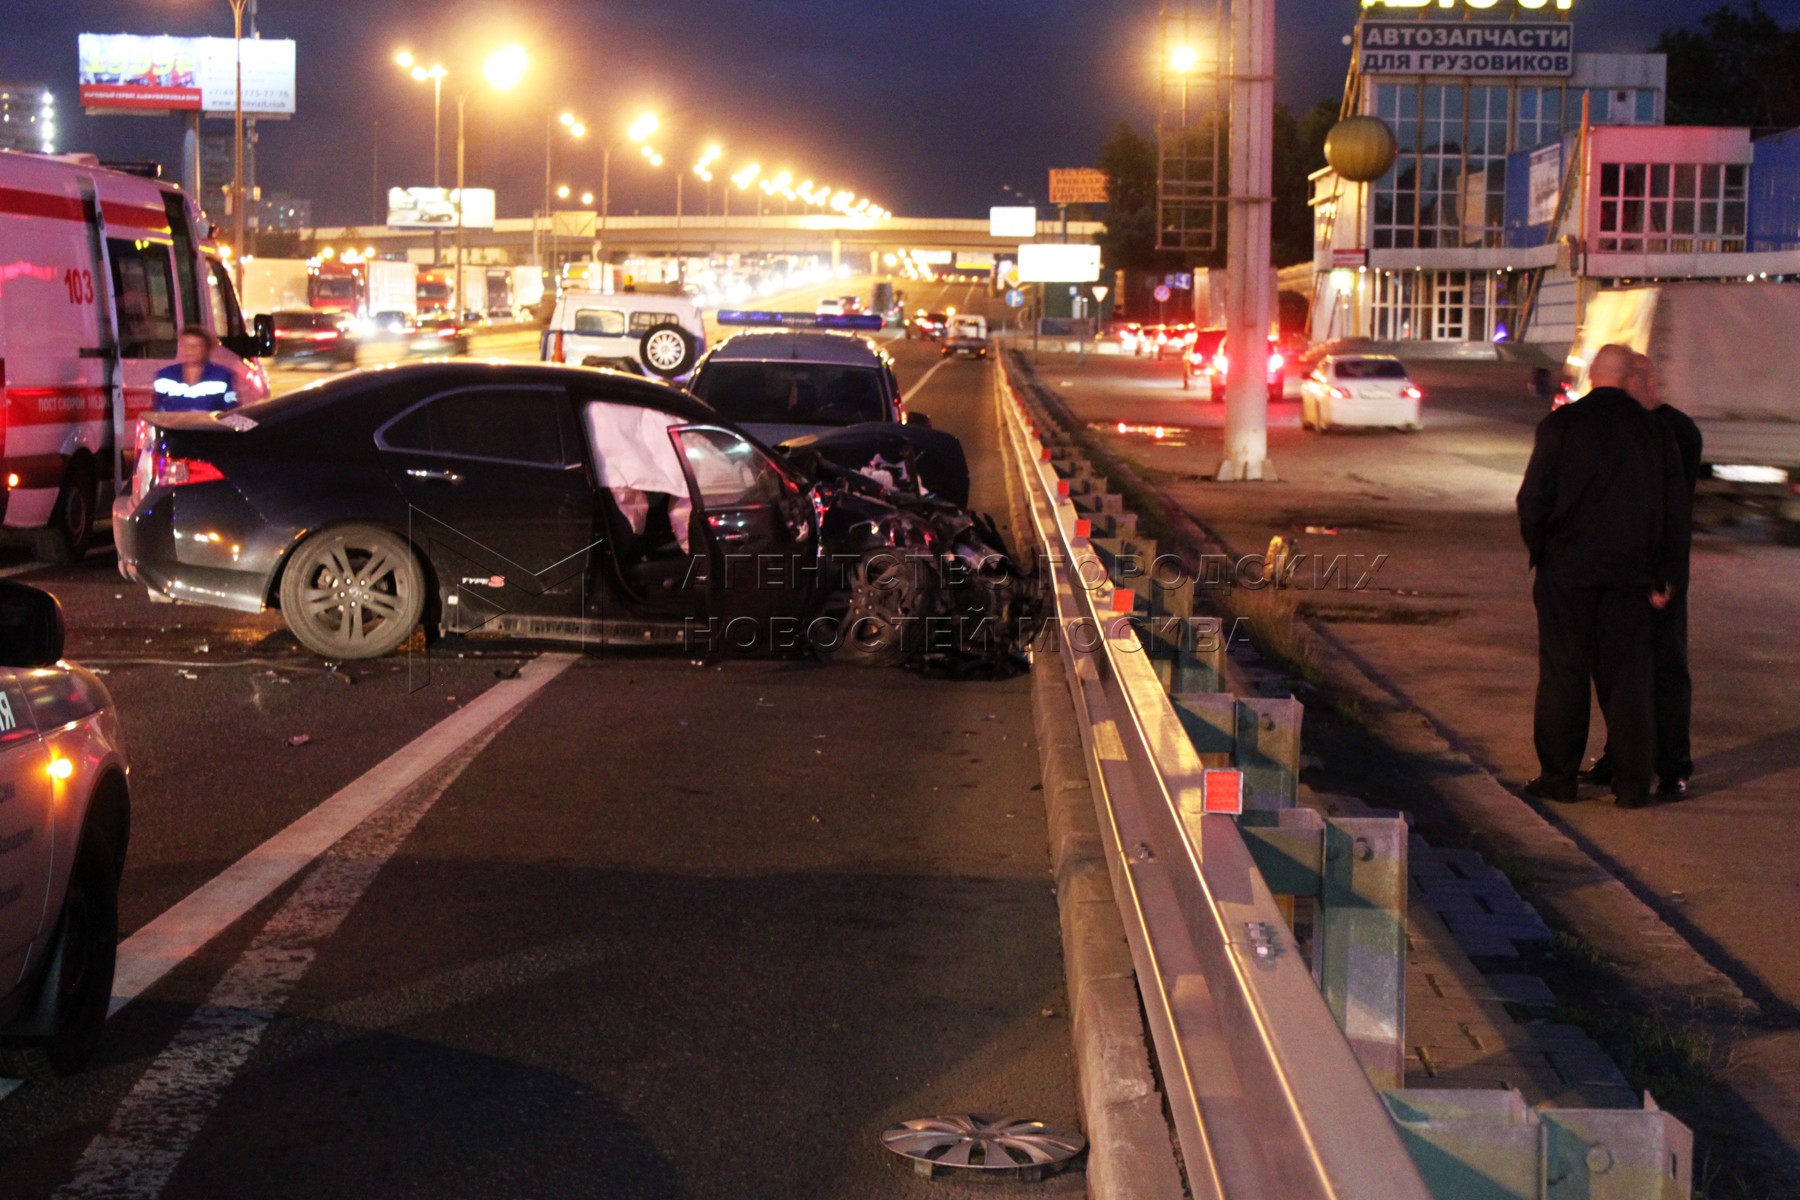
column 1604, row 513
column 1672, row 688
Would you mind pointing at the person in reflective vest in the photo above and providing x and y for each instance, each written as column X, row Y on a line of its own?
column 195, row 383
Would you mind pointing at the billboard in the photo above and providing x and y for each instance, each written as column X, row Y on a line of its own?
column 1012, row 222
column 130, row 72
column 435, row 208
column 1059, row 262
column 1077, row 185
column 1546, row 184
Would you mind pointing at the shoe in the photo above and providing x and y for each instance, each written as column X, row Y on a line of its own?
column 1600, row 772
column 1546, row 789
column 1673, row 787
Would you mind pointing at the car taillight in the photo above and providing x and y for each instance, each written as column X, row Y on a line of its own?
column 1412, row 393
column 1276, row 362
column 446, row 333
column 1220, row 362
column 556, row 347
column 1338, row 393
column 170, row 471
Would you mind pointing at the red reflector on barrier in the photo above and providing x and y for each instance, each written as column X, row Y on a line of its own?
column 1222, row 791
column 1084, row 529
column 1062, row 487
column 1044, row 454
column 1124, row 600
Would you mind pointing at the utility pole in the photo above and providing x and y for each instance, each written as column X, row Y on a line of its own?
column 250, row 155
column 1250, row 304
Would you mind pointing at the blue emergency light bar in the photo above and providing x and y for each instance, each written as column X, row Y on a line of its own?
column 798, row 320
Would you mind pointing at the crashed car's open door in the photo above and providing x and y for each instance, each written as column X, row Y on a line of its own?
column 756, row 529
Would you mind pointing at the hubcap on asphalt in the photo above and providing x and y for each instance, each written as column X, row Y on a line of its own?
column 984, row 1144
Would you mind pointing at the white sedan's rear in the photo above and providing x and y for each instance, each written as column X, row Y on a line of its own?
column 1362, row 391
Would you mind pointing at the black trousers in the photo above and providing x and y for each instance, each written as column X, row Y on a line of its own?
column 1594, row 638
column 1671, row 691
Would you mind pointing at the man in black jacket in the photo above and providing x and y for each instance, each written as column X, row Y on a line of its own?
column 1672, row 687
column 1604, row 513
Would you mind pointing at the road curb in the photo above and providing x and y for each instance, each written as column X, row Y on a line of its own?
column 1130, row 1152
column 1131, row 1149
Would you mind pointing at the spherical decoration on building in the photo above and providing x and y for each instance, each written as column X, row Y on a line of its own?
column 1361, row 149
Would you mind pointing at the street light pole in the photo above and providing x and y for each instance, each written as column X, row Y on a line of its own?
column 437, row 154
column 1248, row 252
column 456, row 279
column 237, row 153
column 680, row 267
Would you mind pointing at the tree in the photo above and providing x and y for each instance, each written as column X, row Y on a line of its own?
column 1736, row 69
column 1129, row 161
column 1299, row 151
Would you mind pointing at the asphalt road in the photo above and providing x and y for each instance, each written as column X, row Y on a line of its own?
column 661, row 930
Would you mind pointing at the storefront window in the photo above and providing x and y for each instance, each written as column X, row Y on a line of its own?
column 1672, row 208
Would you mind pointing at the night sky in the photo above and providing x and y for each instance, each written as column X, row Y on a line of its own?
column 928, row 109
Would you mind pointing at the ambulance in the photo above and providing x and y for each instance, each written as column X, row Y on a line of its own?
column 99, row 270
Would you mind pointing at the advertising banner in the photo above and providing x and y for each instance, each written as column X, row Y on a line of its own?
column 133, row 73
column 1546, row 185
column 435, row 208
column 1057, row 262
column 1467, row 49
column 1012, row 222
column 1077, row 185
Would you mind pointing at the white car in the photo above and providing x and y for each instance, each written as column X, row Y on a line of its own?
column 644, row 333
column 830, row 306
column 1360, row 390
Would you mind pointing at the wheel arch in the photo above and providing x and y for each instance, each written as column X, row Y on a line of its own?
column 272, row 589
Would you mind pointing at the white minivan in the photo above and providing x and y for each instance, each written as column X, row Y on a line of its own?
column 101, row 270
column 640, row 332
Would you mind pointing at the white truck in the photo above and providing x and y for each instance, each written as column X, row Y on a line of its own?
column 274, row 285
column 474, row 296
column 392, row 287
column 1728, row 355
column 513, row 290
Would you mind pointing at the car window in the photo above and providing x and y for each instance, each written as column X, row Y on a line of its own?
column 794, row 393
column 509, row 424
column 144, row 285
column 220, row 296
column 1370, row 368
column 600, row 322
column 643, row 322
column 728, row 471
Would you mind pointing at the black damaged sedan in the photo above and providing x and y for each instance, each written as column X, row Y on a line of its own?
column 566, row 504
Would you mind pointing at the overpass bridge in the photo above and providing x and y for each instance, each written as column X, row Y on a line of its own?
column 578, row 235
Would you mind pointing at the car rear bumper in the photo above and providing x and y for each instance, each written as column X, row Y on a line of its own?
column 187, row 545
column 1375, row 413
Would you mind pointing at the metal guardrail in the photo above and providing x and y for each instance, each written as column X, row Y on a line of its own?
column 1268, row 1099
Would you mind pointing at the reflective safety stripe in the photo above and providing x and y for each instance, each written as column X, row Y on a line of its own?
column 206, row 387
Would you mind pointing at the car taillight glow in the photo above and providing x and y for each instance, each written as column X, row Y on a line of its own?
column 446, row 333
column 1276, row 362
column 556, row 347
column 324, row 335
column 170, row 471
column 1338, row 393
column 1412, row 393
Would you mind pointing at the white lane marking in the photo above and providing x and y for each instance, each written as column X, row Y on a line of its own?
column 155, row 1125
column 163, row 944
column 926, row 377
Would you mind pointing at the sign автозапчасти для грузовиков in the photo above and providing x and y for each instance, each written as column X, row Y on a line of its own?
column 1467, row 48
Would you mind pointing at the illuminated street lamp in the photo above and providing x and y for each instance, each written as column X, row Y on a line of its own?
column 639, row 129
column 433, row 75
column 504, row 70
column 577, row 130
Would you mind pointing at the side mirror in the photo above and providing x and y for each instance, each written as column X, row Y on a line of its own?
column 259, row 343
column 31, row 626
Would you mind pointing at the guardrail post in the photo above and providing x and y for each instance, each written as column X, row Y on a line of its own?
column 1362, row 940
column 1268, row 751
column 1490, row 1144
